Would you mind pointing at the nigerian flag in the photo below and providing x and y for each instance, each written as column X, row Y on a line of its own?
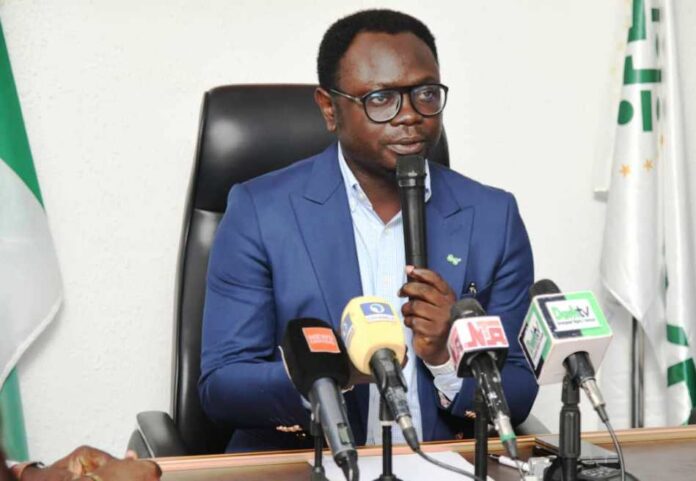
column 30, row 285
column 648, row 256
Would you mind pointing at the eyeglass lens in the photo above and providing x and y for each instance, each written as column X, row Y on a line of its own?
column 384, row 105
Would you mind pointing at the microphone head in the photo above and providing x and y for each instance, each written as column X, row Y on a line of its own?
column 475, row 334
column 370, row 323
column 558, row 325
column 311, row 350
column 467, row 307
column 410, row 170
column 543, row 287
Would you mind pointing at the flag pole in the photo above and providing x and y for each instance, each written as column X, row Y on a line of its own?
column 637, row 375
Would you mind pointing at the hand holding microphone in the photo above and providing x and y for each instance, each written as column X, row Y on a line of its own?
column 427, row 313
column 430, row 297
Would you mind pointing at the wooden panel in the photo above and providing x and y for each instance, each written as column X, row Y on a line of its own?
column 664, row 453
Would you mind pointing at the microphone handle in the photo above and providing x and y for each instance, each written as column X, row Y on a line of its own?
column 488, row 377
column 390, row 381
column 487, row 374
column 334, row 420
column 413, row 214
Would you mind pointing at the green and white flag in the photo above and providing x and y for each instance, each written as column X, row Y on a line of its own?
column 30, row 284
column 648, row 262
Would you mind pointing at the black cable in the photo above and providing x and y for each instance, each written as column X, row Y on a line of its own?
column 447, row 466
column 617, row 446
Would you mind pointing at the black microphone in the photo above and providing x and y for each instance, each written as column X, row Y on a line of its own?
column 478, row 347
column 578, row 365
column 316, row 360
column 410, row 176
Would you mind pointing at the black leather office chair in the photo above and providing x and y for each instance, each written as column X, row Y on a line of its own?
column 245, row 131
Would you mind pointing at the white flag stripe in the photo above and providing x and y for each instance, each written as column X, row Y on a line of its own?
column 680, row 237
column 30, row 283
column 630, row 265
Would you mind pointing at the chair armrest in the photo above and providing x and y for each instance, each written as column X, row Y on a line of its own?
column 156, row 436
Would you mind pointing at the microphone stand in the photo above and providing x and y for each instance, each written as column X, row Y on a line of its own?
column 386, row 419
column 568, row 437
column 481, row 435
column 318, row 472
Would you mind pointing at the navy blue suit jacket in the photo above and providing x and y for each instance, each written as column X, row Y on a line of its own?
column 285, row 249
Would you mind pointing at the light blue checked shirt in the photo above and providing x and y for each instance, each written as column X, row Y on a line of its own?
column 382, row 259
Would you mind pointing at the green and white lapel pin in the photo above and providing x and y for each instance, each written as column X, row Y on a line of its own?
column 453, row 260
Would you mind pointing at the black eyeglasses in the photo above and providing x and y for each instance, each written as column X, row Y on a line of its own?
column 383, row 105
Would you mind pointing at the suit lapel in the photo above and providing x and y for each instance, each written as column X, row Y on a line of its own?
column 449, row 233
column 324, row 219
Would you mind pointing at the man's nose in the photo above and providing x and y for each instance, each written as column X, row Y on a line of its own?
column 407, row 115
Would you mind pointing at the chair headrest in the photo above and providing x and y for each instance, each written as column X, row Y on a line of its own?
column 248, row 130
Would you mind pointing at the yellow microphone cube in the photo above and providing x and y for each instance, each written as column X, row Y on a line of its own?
column 370, row 323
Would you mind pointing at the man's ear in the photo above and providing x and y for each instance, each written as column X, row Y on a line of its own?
column 323, row 100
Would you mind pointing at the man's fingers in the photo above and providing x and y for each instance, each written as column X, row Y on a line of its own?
column 419, row 308
column 156, row 467
column 420, row 326
column 430, row 277
column 130, row 454
column 426, row 328
column 423, row 291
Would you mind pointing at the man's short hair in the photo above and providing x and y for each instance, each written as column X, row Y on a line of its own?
column 340, row 35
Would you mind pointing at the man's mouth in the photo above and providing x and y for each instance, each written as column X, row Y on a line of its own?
column 407, row 146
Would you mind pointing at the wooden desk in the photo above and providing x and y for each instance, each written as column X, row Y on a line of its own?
column 667, row 454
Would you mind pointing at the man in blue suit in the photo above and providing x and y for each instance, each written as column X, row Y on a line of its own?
column 303, row 241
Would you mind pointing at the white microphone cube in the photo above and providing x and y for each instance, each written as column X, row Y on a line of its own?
column 558, row 325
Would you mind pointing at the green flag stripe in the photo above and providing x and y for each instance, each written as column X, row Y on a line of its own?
column 677, row 335
column 14, row 144
column 637, row 30
column 640, row 76
column 684, row 371
column 655, row 14
column 12, row 432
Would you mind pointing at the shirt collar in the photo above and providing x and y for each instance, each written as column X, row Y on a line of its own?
column 355, row 191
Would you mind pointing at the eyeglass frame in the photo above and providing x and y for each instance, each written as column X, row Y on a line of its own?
column 402, row 90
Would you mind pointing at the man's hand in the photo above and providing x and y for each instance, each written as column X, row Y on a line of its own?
column 427, row 313
column 127, row 470
column 46, row 474
column 84, row 459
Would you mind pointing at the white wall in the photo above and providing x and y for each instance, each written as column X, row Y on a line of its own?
column 111, row 93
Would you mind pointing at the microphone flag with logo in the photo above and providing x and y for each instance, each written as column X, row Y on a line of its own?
column 558, row 325
column 376, row 345
column 316, row 361
column 478, row 347
column 312, row 351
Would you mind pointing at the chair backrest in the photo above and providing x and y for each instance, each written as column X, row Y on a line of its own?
column 245, row 131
